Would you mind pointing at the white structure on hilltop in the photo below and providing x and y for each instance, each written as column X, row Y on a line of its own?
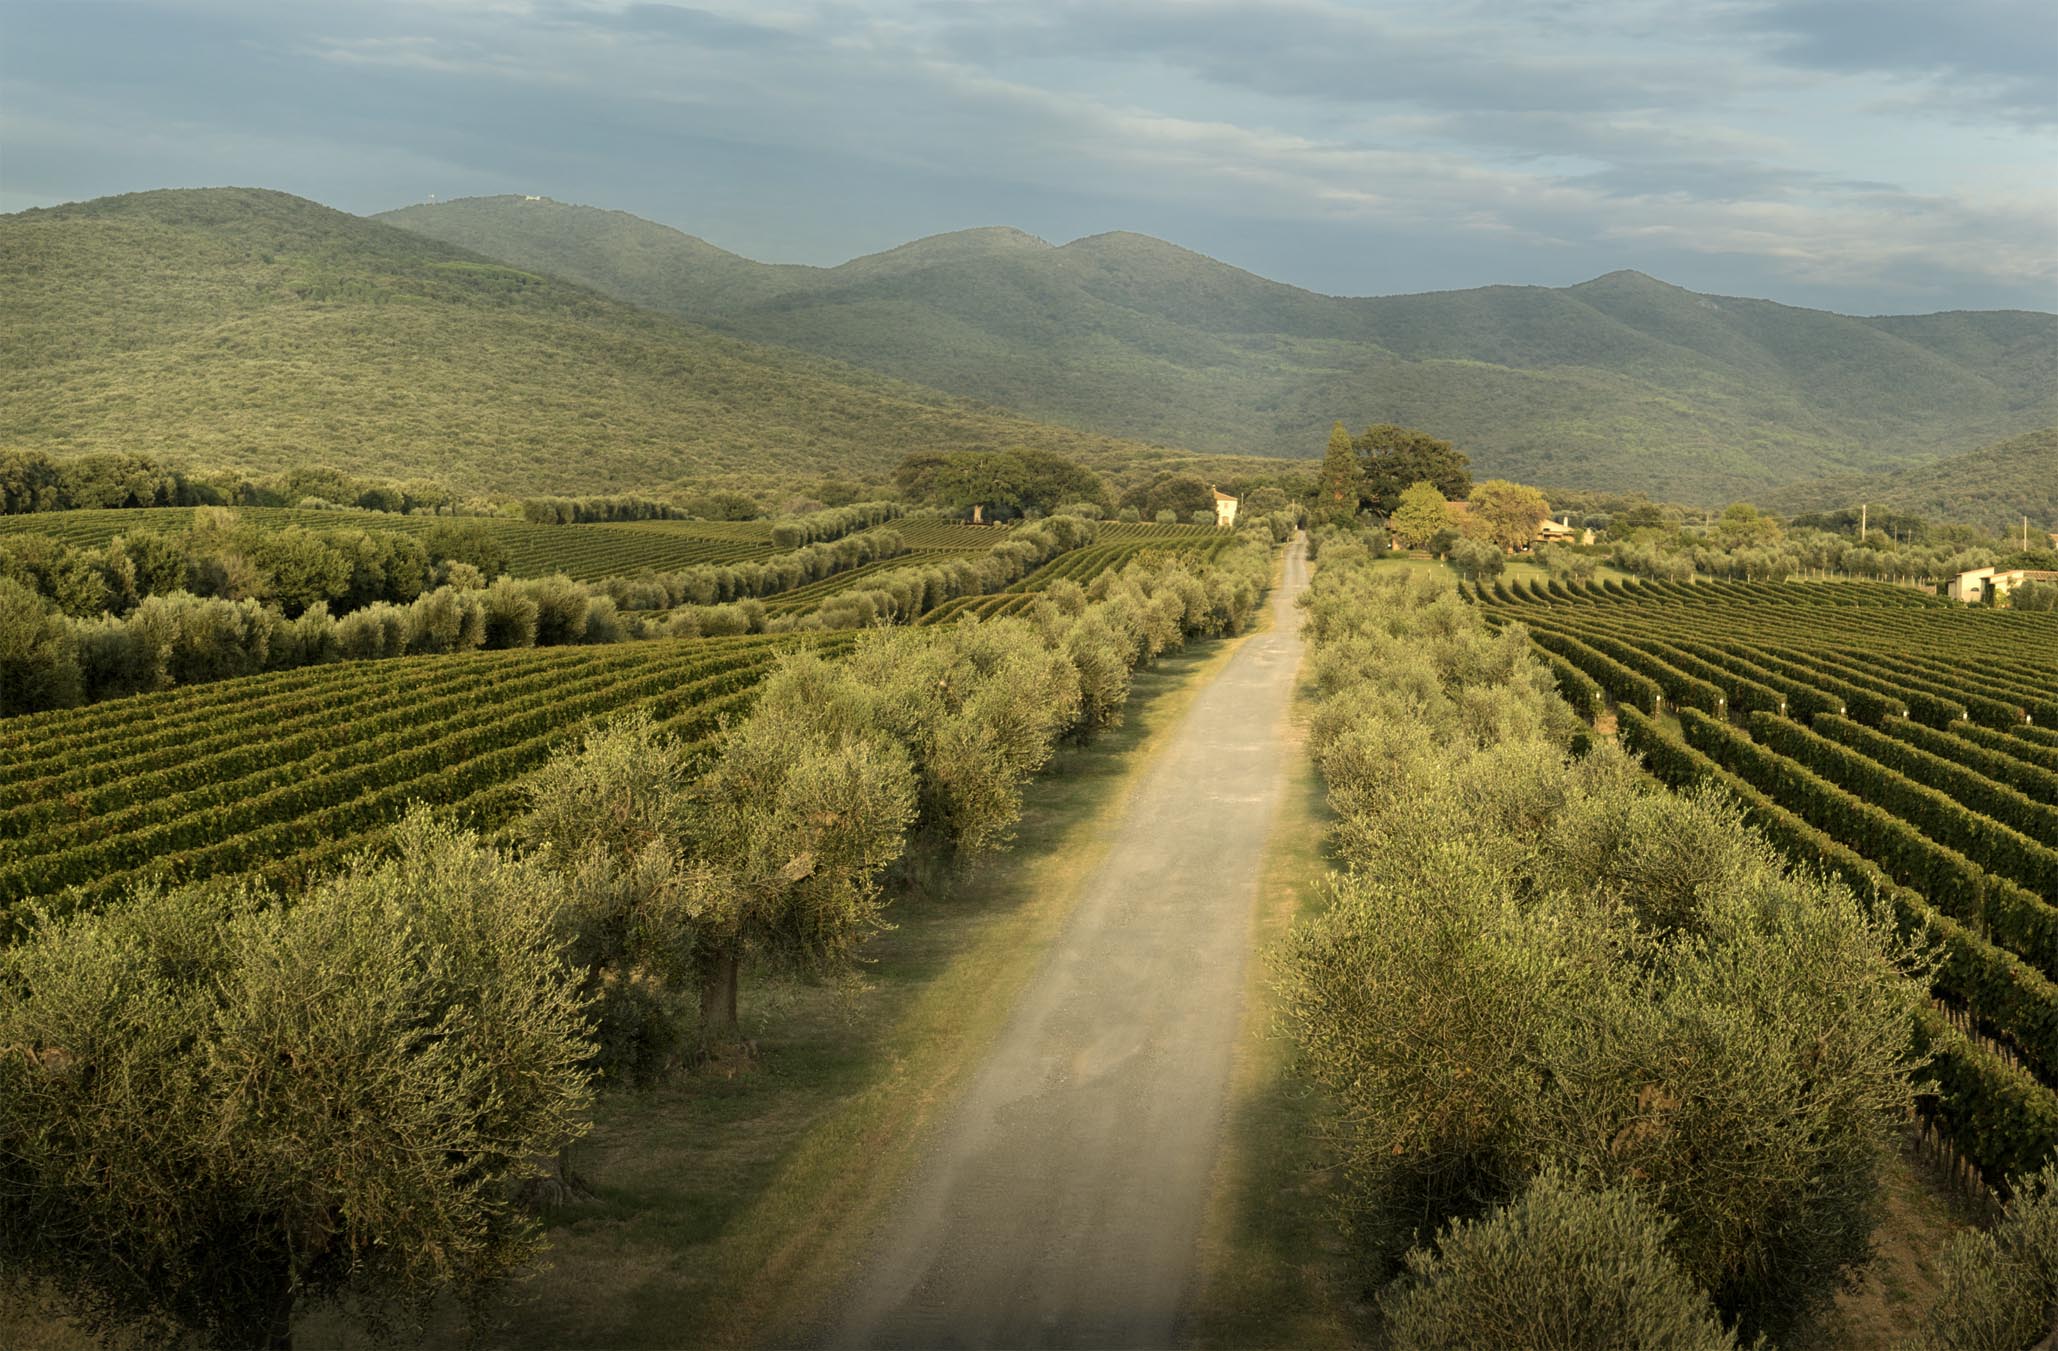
column 1225, row 508
column 1972, row 587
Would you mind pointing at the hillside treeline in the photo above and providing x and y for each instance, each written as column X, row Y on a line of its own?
column 1749, row 545
column 31, row 481
column 1600, row 1060
column 218, row 1107
column 293, row 568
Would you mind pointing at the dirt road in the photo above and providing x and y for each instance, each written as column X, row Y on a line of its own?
column 1062, row 1201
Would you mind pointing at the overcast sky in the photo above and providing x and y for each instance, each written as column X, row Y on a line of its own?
column 1862, row 155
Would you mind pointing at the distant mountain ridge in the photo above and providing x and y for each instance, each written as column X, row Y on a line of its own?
column 1622, row 382
column 1994, row 486
column 247, row 330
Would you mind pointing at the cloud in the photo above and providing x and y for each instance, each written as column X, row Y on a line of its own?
column 1760, row 147
column 1996, row 55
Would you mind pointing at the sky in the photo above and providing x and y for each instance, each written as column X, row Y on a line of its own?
column 1867, row 156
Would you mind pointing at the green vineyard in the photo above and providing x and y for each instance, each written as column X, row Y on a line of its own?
column 1881, row 735
column 281, row 776
column 582, row 552
column 1115, row 546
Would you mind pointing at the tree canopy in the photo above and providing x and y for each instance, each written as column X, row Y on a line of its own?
column 1391, row 457
column 213, row 1109
column 1341, row 484
column 1508, row 513
column 1419, row 514
column 1005, row 482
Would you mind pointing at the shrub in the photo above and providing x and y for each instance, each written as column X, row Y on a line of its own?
column 1477, row 558
column 213, row 1112
column 1167, row 516
column 1561, row 1268
column 39, row 654
column 1999, row 1288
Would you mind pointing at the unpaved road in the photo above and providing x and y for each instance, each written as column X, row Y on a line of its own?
column 1062, row 1200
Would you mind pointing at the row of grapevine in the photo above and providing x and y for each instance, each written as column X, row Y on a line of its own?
column 2002, row 1118
column 1955, row 884
column 1978, row 793
column 262, row 799
column 1910, row 758
column 1938, row 816
column 1083, row 565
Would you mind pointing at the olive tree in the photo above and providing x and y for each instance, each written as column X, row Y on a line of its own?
column 1560, row 1268
column 215, row 1111
column 609, row 816
column 1999, row 1287
column 39, row 657
column 1536, row 961
column 978, row 708
column 810, row 802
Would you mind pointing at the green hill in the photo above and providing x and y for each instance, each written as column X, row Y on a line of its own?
column 1994, row 486
column 247, row 331
column 1621, row 383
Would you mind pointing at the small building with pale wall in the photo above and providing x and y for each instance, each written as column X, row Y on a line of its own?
column 1972, row 587
column 1225, row 508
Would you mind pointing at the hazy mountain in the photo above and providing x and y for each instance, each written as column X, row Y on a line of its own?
column 249, row 330
column 1994, row 486
column 1621, row 382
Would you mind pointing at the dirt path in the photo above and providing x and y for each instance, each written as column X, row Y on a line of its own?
column 1061, row 1202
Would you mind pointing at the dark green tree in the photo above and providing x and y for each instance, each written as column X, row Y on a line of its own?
column 467, row 542
column 1390, row 458
column 1341, row 485
column 1182, row 494
column 1560, row 1268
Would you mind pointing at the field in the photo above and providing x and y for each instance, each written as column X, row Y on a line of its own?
column 1116, row 546
column 1899, row 741
column 582, row 552
column 281, row 776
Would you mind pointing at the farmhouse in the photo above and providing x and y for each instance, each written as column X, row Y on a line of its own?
column 1225, row 507
column 1972, row 587
column 1556, row 532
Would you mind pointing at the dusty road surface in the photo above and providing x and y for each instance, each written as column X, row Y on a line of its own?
column 1061, row 1203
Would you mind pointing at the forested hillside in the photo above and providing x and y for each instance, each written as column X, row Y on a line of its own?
column 1622, row 382
column 244, row 330
column 1994, row 486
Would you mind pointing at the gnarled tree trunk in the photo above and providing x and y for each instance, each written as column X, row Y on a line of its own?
column 718, row 979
